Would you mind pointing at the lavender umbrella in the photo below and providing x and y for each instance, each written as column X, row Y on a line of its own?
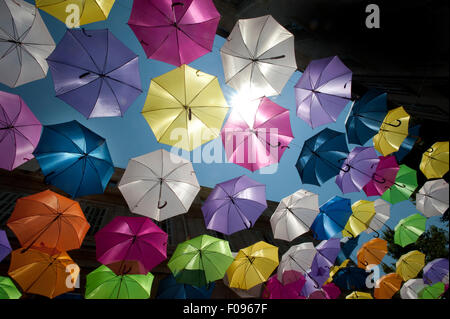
column 436, row 271
column 5, row 247
column 358, row 169
column 95, row 73
column 234, row 205
column 327, row 252
column 323, row 91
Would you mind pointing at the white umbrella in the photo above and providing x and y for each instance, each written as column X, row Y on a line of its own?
column 411, row 289
column 258, row 57
column 25, row 43
column 382, row 214
column 294, row 215
column 298, row 258
column 432, row 198
column 159, row 185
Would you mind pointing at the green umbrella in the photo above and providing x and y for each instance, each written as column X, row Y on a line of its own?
column 103, row 283
column 432, row 292
column 405, row 184
column 8, row 290
column 409, row 229
column 200, row 260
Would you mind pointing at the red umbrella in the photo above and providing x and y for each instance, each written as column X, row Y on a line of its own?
column 384, row 176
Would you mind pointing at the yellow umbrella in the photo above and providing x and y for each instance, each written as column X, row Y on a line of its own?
column 393, row 131
column 434, row 162
column 185, row 108
column 359, row 295
column 409, row 265
column 89, row 10
column 335, row 269
column 253, row 265
column 359, row 221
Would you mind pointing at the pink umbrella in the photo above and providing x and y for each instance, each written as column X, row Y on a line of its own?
column 174, row 31
column 384, row 176
column 256, row 135
column 276, row 290
column 328, row 291
column 20, row 131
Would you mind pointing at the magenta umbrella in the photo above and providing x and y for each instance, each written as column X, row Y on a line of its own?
column 256, row 135
column 384, row 176
column 174, row 31
column 276, row 290
column 131, row 239
column 20, row 131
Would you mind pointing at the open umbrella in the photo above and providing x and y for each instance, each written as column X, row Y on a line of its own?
column 384, row 176
column 298, row 258
column 409, row 229
column 95, row 73
column 411, row 289
column 323, row 91
column 321, row 157
column 74, row 159
column 328, row 291
column 408, row 143
column 8, row 290
column 185, row 108
column 332, row 218
column 47, row 219
column 348, row 245
column 258, row 138
column 362, row 213
column 254, row 292
column 436, row 271
column 277, row 290
column 234, row 205
column 25, row 43
column 387, row 286
column 327, row 252
column 432, row 292
column 405, row 184
column 258, row 57
column 372, row 253
column 410, row 264
column 159, row 185
column 350, row 278
column 5, row 247
column 434, row 162
column 169, row 288
column 336, row 268
column 433, row 198
column 175, row 32
column 20, row 131
column 392, row 132
column 382, row 215
column 359, row 295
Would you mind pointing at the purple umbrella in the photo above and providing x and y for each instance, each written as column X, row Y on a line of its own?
column 436, row 271
column 234, row 205
column 358, row 169
column 323, row 91
column 5, row 247
column 20, row 131
column 95, row 73
column 327, row 252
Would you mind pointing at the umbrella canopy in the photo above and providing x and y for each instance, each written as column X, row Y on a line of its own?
column 405, row 184
column 434, row 162
column 20, row 131
column 37, row 272
column 372, row 253
column 253, row 265
column 95, row 73
column 366, row 116
column 436, row 271
column 335, row 269
column 392, row 132
column 298, row 258
column 74, row 159
column 382, row 215
column 276, row 290
column 408, row 143
column 200, row 260
column 410, row 264
column 47, row 219
column 103, row 283
column 321, row 157
column 168, row 288
column 432, row 292
column 234, row 205
column 323, row 91
column 328, row 291
column 294, row 215
column 359, row 295
column 258, row 57
column 131, row 238
column 256, row 136
column 387, row 286
column 411, row 289
column 362, row 213
column 327, row 252
column 350, row 278
column 25, row 43
column 5, row 247
column 332, row 218
column 433, row 198
column 254, row 292
column 409, row 229
column 159, row 185
column 384, row 176
column 348, row 245
column 185, row 108
column 8, row 290
column 175, row 32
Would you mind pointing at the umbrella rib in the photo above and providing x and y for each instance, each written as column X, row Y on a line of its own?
column 148, row 167
column 199, row 92
column 114, row 94
column 68, row 138
column 86, row 51
column 245, row 44
column 167, row 128
column 173, row 170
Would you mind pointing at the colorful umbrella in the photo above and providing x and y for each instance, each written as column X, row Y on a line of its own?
column 256, row 136
column 328, row 291
column 405, row 184
column 159, row 185
column 234, row 205
column 372, row 253
column 436, row 271
column 382, row 215
column 253, row 265
column 387, row 286
column 411, row 289
column 432, row 292
column 363, row 212
column 434, row 162
column 323, row 91
column 8, row 290
column 200, row 260
column 327, row 252
column 95, row 73
column 350, row 278
column 175, row 32
column 74, row 159
column 25, row 43
column 103, row 283
column 254, row 292
column 294, row 215
column 5, row 247
column 332, row 218
column 409, row 229
column 258, row 57
column 433, row 198
column 20, row 131
column 47, row 219
column 335, row 269
column 384, row 176
column 276, row 290
column 408, row 143
column 321, row 157
column 410, row 264
column 185, row 108
column 168, row 288
column 298, row 258
column 359, row 295
column 366, row 116
column 392, row 132
column 348, row 245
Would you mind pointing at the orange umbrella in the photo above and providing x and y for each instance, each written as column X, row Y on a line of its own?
column 40, row 273
column 372, row 252
column 387, row 286
column 49, row 220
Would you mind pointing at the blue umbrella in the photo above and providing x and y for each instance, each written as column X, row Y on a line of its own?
column 366, row 117
column 321, row 157
column 347, row 249
column 332, row 218
column 408, row 143
column 351, row 278
column 168, row 288
column 74, row 159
